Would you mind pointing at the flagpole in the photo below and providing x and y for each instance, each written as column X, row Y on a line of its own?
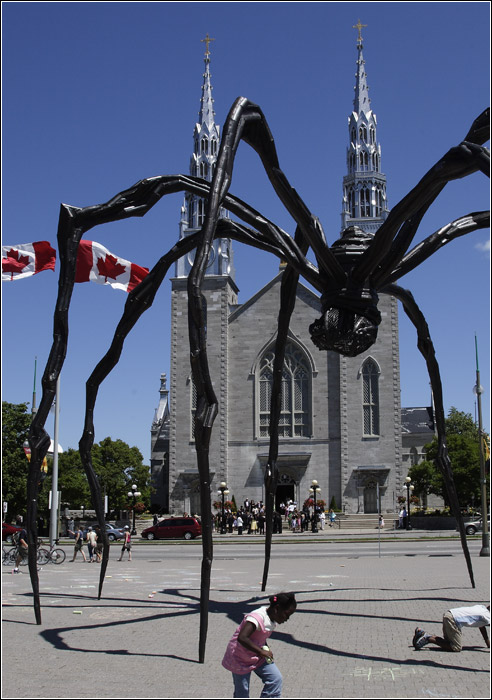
column 54, row 481
column 34, row 409
column 485, row 551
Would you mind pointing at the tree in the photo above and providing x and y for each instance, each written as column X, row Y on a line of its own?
column 463, row 448
column 117, row 467
column 72, row 481
column 15, row 466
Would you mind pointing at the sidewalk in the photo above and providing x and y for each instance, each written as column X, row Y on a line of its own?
column 350, row 638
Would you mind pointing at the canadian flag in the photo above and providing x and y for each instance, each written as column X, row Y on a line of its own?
column 96, row 264
column 27, row 259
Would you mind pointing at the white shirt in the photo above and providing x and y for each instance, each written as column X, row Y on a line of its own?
column 473, row 616
column 269, row 624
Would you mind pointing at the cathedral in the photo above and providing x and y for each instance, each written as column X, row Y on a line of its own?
column 341, row 422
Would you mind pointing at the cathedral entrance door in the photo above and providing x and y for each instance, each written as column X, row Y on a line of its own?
column 285, row 492
column 371, row 498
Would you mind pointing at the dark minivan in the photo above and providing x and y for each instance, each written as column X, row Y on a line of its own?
column 173, row 528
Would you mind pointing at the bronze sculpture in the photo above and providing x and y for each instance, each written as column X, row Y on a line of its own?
column 348, row 275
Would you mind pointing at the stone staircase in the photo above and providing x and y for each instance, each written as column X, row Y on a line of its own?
column 364, row 521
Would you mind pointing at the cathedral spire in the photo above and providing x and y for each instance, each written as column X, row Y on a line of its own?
column 362, row 103
column 207, row 114
column 364, row 186
column 206, row 137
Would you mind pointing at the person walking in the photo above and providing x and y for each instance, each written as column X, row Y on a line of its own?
column 91, row 544
column 79, row 544
column 247, row 651
column 127, row 544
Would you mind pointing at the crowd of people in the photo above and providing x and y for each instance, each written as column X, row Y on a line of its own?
column 251, row 516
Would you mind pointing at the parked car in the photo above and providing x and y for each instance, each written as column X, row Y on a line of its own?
column 173, row 528
column 114, row 533
column 475, row 525
column 8, row 531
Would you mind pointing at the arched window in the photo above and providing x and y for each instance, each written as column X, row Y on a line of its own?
column 201, row 212
column 363, row 132
column 414, row 456
column 370, row 397
column 372, row 134
column 351, row 203
column 204, row 145
column 364, row 160
column 295, row 414
column 365, row 202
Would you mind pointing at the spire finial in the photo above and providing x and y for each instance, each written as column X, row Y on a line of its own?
column 207, row 41
column 357, row 26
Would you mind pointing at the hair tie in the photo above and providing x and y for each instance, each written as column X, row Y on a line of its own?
column 274, row 598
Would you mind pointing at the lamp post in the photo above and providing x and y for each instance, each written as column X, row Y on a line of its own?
column 134, row 494
column 409, row 486
column 314, row 489
column 222, row 492
column 478, row 390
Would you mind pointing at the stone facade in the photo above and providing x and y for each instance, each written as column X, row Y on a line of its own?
column 341, row 422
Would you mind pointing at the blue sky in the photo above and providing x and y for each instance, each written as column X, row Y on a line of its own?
column 97, row 96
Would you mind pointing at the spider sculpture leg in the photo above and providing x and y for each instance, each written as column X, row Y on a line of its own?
column 247, row 122
column 426, row 347
column 139, row 300
column 290, row 279
column 73, row 223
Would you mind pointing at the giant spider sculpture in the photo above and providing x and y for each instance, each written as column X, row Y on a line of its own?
column 349, row 275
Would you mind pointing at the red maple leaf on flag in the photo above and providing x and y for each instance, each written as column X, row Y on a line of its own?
column 14, row 262
column 110, row 267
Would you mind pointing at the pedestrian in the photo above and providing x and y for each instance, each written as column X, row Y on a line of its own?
column 22, row 549
column 322, row 518
column 247, row 650
column 452, row 623
column 155, row 519
column 381, row 521
column 127, row 544
column 239, row 524
column 99, row 545
column 332, row 516
column 401, row 517
column 79, row 544
column 91, row 543
column 70, row 527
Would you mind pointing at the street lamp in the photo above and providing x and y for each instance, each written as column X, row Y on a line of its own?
column 314, row 489
column 222, row 492
column 134, row 494
column 485, row 551
column 410, row 487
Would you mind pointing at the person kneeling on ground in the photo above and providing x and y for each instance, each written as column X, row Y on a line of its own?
column 452, row 623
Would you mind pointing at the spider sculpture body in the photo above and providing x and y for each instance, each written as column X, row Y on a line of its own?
column 349, row 275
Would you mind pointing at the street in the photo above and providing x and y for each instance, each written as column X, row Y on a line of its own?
column 351, row 636
column 248, row 549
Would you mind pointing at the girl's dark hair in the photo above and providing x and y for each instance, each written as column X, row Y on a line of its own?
column 284, row 600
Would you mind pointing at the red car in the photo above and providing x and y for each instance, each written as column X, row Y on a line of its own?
column 173, row 528
column 8, row 531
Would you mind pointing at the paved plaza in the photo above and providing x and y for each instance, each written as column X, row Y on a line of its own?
column 350, row 638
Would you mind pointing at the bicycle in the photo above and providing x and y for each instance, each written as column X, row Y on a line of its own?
column 53, row 555
column 9, row 556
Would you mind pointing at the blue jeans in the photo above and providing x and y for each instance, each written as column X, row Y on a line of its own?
column 269, row 674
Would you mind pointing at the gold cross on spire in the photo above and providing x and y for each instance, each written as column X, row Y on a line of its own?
column 207, row 41
column 357, row 26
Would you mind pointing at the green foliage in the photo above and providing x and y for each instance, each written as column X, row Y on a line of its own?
column 117, row 466
column 333, row 503
column 15, row 466
column 464, row 452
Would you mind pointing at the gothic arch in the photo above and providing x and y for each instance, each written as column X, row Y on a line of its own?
column 370, row 372
column 297, row 402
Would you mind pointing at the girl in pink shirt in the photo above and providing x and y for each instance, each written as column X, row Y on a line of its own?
column 247, row 651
